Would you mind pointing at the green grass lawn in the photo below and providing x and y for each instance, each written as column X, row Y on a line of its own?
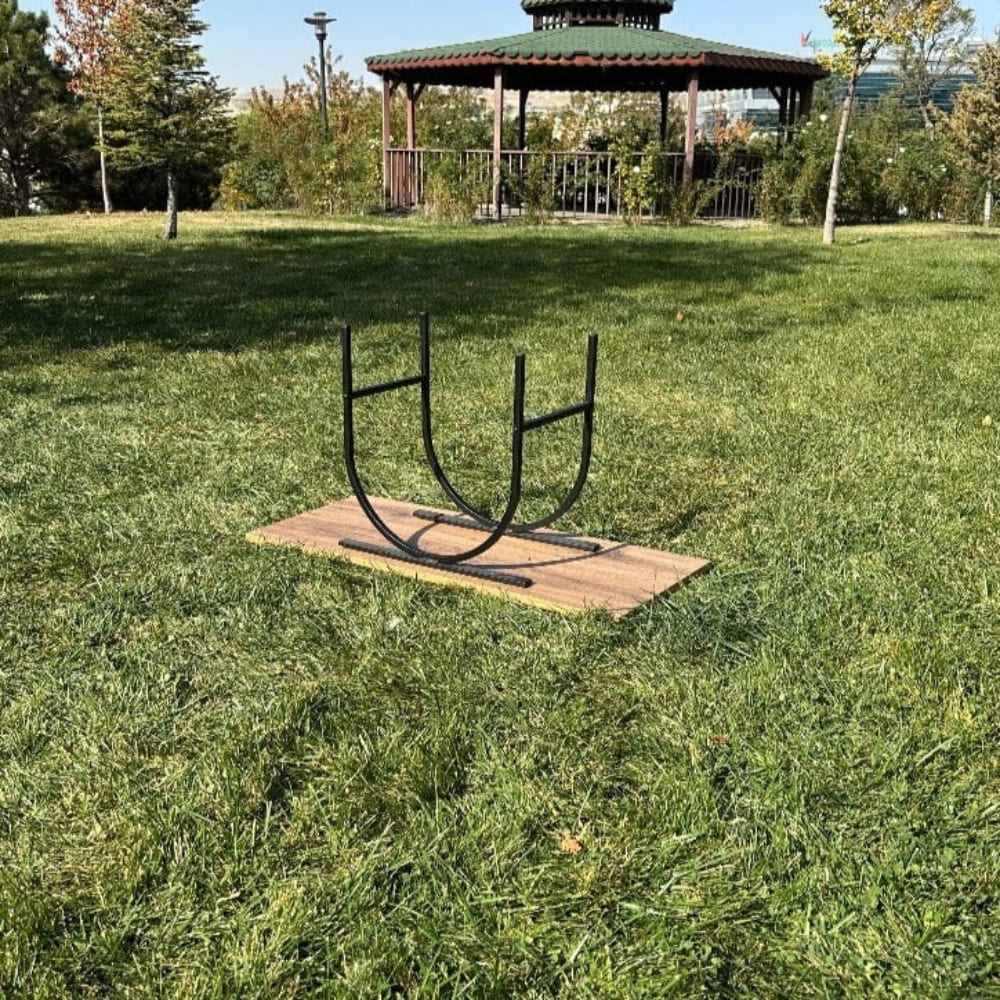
column 228, row 771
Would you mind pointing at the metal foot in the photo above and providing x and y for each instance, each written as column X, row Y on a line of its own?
column 460, row 569
column 543, row 538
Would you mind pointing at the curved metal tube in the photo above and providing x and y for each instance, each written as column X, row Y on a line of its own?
column 456, row 498
column 502, row 527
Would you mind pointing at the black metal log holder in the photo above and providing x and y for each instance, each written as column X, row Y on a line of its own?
column 470, row 517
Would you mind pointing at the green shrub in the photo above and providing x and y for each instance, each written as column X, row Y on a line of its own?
column 965, row 197
column 534, row 188
column 347, row 178
column 451, row 193
column 894, row 167
column 813, row 155
column 254, row 183
column 777, row 203
column 644, row 185
column 916, row 178
column 680, row 204
column 283, row 159
column 638, row 187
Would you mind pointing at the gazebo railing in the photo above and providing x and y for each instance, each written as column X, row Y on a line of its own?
column 574, row 184
column 579, row 184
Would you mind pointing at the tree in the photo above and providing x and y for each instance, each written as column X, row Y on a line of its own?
column 928, row 57
column 862, row 28
column 975, row 122
column 166, row 112
column 30, row 92
column 88, row 48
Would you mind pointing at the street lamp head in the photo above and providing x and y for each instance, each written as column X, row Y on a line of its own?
column 320, row 21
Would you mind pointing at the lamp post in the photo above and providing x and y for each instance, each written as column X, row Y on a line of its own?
column 320, row 21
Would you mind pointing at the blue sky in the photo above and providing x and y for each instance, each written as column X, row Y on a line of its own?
column 253, row 42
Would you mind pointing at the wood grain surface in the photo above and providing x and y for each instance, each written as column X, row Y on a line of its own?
column 618, row 579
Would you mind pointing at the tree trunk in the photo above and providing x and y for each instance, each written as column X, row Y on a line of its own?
column 21, row 193
column 830, row 228
column 988, row 208
column 105, row 192
column 170, row 232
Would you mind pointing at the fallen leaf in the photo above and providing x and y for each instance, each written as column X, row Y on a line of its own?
column 570, row 845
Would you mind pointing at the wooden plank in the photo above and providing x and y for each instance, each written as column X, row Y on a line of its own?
column 618, row 579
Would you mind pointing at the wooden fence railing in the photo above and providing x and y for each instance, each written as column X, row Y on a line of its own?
column 580, row 184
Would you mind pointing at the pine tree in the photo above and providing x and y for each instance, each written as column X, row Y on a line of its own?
column 166, row 112
column 975, row 123
column 30, row 87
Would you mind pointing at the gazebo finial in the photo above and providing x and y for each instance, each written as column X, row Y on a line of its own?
column 643, row 14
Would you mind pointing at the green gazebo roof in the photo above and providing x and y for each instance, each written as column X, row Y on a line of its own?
column 611, row 45
column 595, row 58
column 569, row 44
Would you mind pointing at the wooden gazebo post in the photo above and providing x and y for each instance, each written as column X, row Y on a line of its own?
column 413, row 178
column 412, row 96
column 498, row 89
column 691, row 137
column 806, row 101
column 387, row 88
column 664, row 115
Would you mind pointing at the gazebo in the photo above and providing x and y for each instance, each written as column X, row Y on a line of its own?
column 586, row 46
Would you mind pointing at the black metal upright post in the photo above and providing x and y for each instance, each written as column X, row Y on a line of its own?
column 407, row 550
column 586, row 409
column 324, row 110
column 320, row 21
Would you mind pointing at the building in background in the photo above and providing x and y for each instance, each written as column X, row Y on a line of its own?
column 761, row 107
column 883, row 77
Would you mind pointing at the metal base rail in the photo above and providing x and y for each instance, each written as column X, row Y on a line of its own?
column 473, row 519
column 478, row 572
column 543, row 538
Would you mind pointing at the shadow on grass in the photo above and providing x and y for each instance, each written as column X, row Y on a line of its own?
column 240, row 289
